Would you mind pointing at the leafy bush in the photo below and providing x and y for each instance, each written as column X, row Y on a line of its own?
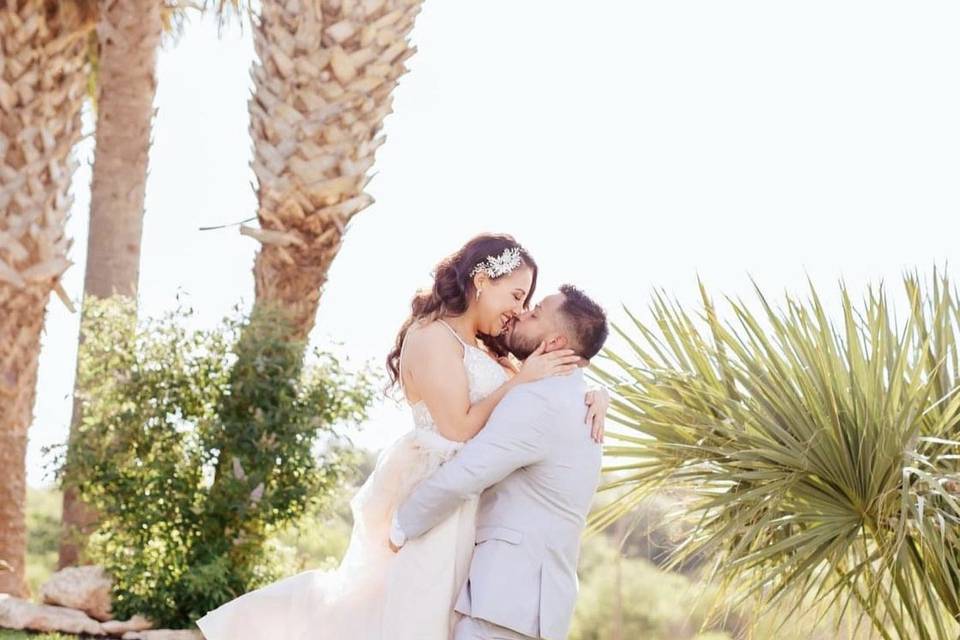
column 195, row 446
column 320, row 537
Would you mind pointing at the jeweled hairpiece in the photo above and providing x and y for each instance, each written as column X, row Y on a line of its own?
column 496, row 266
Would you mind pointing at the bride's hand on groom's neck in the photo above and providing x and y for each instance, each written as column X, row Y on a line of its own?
column 510, row 364
column 542, row 364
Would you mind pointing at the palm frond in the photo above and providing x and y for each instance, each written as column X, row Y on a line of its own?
column 823, row 454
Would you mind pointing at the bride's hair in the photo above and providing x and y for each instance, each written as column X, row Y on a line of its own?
column 452, row 288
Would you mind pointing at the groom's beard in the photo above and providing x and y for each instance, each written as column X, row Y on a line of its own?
column 518, row 345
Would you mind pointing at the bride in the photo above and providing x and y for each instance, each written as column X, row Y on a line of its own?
column 452, row 385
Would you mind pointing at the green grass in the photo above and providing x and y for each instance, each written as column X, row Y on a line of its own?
column 6, row 634
column 43, row 526
column 658, row 604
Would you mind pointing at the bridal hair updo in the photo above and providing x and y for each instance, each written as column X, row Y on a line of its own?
column 453, row 289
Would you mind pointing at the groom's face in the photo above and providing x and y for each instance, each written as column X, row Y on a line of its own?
column 542, row 323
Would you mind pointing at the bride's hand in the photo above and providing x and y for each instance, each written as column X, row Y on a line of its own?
column 508, row 365
column 598, row 401
column 541, row 365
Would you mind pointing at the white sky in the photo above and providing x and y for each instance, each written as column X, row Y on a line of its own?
column 628, row 144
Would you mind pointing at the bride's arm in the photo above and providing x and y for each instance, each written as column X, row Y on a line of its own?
column 434, row 361
column 513, row 439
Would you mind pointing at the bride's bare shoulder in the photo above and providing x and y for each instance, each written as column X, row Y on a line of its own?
column 430, row 337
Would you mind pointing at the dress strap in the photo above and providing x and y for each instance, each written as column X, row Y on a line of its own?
column 455, row 334
column 403, row 344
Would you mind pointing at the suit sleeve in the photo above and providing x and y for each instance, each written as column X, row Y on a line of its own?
column 511, row 439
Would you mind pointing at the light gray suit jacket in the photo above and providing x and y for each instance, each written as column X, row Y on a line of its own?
column 538, row 469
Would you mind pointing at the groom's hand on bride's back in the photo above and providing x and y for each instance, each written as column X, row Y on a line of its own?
column 598, row 403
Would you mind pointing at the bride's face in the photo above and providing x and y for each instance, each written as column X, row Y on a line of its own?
column 502, row 300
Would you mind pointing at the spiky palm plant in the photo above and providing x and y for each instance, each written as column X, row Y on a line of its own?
column 822, row 454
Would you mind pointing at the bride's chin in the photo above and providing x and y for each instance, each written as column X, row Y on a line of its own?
column 495, row 329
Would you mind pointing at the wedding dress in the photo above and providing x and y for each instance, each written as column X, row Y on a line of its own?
column 376, row 594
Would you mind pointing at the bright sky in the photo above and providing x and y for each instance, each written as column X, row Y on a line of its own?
column 627, row 144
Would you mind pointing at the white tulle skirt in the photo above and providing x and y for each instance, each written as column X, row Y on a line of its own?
column 374, row 594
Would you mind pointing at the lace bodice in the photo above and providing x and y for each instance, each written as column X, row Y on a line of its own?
column 484, row 376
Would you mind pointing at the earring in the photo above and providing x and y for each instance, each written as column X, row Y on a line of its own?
column 478, row 293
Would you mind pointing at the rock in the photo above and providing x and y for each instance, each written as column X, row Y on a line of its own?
column 86, row 588
column 164, row 634
column 118, row 628
column 16, row 613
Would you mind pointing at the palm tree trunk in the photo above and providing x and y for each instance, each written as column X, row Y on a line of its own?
column 129, row 34
column 42, row 88
column 322, row 87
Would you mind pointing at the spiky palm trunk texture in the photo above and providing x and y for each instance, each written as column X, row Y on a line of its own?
column 128, row 32
column 42, row 83
column 322, row 87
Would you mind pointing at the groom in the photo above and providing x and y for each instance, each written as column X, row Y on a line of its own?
column 538, row 469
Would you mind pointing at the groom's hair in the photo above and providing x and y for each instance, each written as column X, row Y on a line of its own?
column 585, row 319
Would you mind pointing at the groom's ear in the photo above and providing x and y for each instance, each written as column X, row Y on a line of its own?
column 557, row 342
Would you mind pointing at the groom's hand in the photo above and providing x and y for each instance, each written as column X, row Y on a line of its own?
column 397, row 537
column 598, row 403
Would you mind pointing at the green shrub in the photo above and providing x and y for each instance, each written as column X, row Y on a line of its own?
column 319, row 539
column 196, row 446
